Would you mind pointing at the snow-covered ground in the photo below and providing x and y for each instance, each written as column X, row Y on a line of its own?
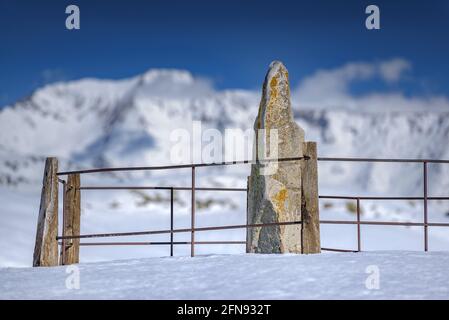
column 374, row 275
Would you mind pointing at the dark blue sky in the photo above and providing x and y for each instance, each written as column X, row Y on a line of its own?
column 231, row 42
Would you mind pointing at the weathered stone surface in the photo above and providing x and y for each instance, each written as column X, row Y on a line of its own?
column 46, row 246
column 276, row 197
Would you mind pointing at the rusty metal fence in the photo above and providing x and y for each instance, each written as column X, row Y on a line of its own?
column 193, row 188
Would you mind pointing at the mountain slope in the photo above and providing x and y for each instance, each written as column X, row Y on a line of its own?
column 128, row 122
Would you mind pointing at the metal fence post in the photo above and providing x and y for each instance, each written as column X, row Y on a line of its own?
column 192, row 235
column 359, row 244
column 426, row 240
column 171, row 222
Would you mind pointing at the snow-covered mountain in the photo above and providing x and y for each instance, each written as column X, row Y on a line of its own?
column 127, row 122
column 91, row 122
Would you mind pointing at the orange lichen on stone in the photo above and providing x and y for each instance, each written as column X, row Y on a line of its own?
column 273, row 98
column 279, row 200
column 273, row 88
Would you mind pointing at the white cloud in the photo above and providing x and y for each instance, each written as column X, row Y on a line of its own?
column 331, row 89
column 393, row 70
column 334, row 83
column 174, row 84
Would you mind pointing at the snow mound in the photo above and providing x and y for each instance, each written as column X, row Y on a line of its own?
column 402, row 275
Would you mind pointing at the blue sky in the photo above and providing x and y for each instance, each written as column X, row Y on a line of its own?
column 230, row 42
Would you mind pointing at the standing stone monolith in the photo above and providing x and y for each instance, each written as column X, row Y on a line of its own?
column 275, row 189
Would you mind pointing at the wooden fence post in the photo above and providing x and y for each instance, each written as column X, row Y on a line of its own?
column 71, row 220
column 46, row 245
column 310, row 228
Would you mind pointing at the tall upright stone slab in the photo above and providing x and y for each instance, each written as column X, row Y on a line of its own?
column 277, row 195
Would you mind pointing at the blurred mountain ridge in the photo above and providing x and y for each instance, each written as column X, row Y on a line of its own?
column 93, row 123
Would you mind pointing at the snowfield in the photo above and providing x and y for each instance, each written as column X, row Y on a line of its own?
column 402, row 275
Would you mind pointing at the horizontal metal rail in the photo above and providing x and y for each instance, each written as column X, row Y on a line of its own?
column 158, row 188
column 226, row 163
column 181, row 166
column 400, row 160
column 93, row 244
column 141, row 233
column 88, row 244
column 148, row 243
column 381, row 198
column 245, row 189
column 386, row 223
column 242, row 226
column 338, row 250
